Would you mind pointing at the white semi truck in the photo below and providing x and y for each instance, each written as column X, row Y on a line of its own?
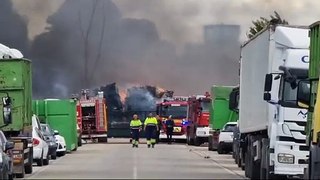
column 270, row 123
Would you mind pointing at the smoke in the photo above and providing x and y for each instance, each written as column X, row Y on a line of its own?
column 140, row 99
column 13, row 30
column 160, row 43
column 181, row 21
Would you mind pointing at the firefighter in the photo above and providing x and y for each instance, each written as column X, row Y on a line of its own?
column 159, row 128
column 135, row 126
column 151, row 128
column 169, row 128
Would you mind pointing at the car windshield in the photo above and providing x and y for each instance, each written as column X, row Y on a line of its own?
column 229, row 127
column 46, row 130
column 175, row 111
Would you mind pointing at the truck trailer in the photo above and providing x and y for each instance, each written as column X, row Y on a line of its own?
column 16, row 121
column 272, row 125
column 220, row 115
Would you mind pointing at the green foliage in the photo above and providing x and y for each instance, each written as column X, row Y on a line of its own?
column 262, row 22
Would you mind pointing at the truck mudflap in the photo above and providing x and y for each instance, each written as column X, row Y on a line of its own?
column 22, row 156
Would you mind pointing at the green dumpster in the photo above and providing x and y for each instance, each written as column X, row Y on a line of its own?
column 60, row 115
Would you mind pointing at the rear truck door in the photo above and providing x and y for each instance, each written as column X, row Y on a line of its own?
column 100, row 116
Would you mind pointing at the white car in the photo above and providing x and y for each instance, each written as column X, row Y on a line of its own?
column 61, row 148
column 226, row 138
column 40, row 146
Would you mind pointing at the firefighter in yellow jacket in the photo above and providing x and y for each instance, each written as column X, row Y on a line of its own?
column 151, row 128
column 135, row 127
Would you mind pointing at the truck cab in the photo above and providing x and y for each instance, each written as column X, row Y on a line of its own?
column 198, row 119
column 177, row 108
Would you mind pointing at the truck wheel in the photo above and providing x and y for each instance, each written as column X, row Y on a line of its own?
column 189, row 140
column 28, row 168
column 79, row 142
column 247, row 162
column 10, row 177
column 210, row 147
column 46, row 161
column 313, row 162
column 103, row 140
column 21, row 175
column 197, row 141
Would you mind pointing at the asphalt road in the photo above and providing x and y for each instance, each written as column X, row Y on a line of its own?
column 123, row 161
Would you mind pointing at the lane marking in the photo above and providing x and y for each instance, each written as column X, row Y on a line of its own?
column 135, row 169
column 221, row 166
column 44, row 168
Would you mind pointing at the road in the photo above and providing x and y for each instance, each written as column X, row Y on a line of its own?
column 123, row 161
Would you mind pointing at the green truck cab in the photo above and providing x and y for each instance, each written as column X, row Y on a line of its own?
column 308, row 97
column 220, row 114
column 16, row 122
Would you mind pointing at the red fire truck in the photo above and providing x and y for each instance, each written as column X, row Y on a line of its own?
column 92, row 117
column 177, row 107
column 198, row 119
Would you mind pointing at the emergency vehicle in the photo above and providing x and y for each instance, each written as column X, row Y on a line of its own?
column 198, row 119
column 177, row 107
column 92, row 117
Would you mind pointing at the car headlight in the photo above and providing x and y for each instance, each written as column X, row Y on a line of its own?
column 285, row 158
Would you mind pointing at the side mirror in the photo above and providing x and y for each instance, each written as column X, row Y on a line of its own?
column 267, row 96
column 303, row 94
column 9, row 145
column 234, row 99
column 55, row 132
column 268, row 82
column 7, row 116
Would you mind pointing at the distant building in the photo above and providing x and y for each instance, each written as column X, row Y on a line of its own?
column 220, row 33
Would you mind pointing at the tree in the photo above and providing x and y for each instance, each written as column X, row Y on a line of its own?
column 262, row 22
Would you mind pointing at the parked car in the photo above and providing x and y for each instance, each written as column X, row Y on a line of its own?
column 50, row 139
column 61, row 143
column 40, row 146
column 226, row 138
column 6, row 157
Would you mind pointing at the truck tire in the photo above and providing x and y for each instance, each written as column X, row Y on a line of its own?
column 189, row 140
column 314, row 165
column 103, row 140
column 247, row 166
column 21, row 175
column 264, row 160
column 197, row 141
column 210, row 145
column 28, row 168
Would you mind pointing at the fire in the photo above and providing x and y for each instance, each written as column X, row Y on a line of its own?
column 123, row 94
